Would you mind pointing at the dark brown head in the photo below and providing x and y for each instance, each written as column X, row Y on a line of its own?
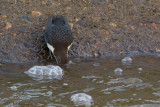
column 61, row 55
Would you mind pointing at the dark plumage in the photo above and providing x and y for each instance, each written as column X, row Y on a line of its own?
column 58, row 37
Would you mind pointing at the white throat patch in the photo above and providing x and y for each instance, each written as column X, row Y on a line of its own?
column 69, row 46
column 50, row 47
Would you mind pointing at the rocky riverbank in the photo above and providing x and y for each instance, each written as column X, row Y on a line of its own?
column 101, row 28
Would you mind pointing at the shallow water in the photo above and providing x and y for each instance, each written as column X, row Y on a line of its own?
column 138, row 85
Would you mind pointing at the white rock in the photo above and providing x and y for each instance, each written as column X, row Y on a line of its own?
column 49, row 70
column 126, row 60
column 118, row 71
column 82, row 99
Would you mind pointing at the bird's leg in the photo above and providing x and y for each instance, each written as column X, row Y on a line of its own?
column 50, row 55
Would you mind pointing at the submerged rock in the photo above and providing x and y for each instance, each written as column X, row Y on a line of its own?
column 82, row 99
column 49, row 71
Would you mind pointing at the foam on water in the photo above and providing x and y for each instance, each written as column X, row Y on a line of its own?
column 126, row 60
column 82, row 99
column 118, row 71
column 49, row 72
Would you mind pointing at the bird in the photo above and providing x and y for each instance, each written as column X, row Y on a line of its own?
column 58, row 37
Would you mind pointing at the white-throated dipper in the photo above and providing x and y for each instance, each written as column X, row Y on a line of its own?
column 58, row 37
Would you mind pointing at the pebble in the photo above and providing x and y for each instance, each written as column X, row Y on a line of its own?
column 113, row 24
column 147, row 3
column 133, row 27
column 118, row 71
column 82, row 99
column 94, row 1
column 28, row 45
column 139, row 2
column 22, row 30
column 81, row 22
column 36, row 13
column 71, row 24
column 8, row 25
column 118, row 6
column 4, row 16
column 27, row 18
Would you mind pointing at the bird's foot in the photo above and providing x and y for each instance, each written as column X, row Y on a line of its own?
column 50, row 55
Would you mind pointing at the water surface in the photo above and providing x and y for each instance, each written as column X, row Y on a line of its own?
column 138, row 85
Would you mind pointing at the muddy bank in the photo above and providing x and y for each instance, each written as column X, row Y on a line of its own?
column 100, row 27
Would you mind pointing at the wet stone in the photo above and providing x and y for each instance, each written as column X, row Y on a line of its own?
column 152, row 51
column 27, row 18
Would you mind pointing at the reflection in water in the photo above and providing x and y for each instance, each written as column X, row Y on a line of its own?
column 138, row 85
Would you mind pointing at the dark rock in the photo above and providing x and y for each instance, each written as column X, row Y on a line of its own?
column 96, row 33
column 41, row 19
column 103, row 0
column 152, row 51
column 147, row 3
column 139, row 2
column 81, row 22
column 127, row 52
column 95, row 1
column 28, row 45
column 107, row 54
column 118, row 6
column 6, row 57
column 27, row 18
column 116, row 32
column 92, row 42
column 22, row 30
column 156, row 9
column 100, row 53
column 36, row 51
